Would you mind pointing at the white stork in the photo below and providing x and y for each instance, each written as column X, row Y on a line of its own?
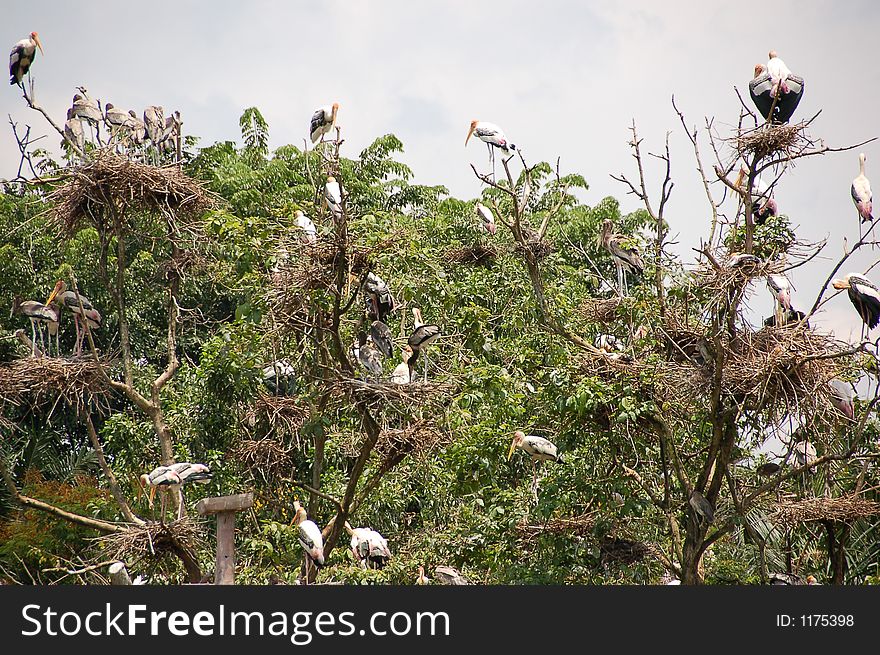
column 779, row 74
column 538, row 448
column 162, row 476
column 323, row 120
column 403, row 372
column 862, row 197
column 487, row 219
column 90, row 316
column 305, row 224
column 625, row 254
column 22, row 56
column 864, row 296
column 423, row 335
column 842, row 396
column 38, row 313
column 493, row 136
column 333, row 196
column 73, row 131
column 310, row 539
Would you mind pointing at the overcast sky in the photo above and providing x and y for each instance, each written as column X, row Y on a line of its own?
column 563, row 79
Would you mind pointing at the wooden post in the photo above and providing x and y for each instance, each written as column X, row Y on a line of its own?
column 225, row 508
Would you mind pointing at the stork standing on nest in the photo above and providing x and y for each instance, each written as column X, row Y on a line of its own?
column 86, row 109
column 780, row 287
column 310, row 539
column 73, row 131
column 494, row 137
column 21, row 57
column 378, row 298
column 862, row 197
column 160, row 477
column 403, row 372
column 626, row 256
column 864, row 296
column 368, row 356
column 304, row 223
column 423, row 335
column 38, row 313
column 381, row 337
column 538, row 448
column 90, row 316
column 323, row 121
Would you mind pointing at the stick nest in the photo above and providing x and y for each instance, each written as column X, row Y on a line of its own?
column 535, row 248
column 417, row 440
column 282, row 415
column 579, row 526
column 600, row 310
column 478, row 254
column 153, row 542
column 111, row 184
column 407, row 395
column 770, row 139
column 269, row 456
column 844, row 509
column 47, row 379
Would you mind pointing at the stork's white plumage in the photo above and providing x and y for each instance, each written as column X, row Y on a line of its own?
column 333, row 196
column 862, row 197
column 309, row 536
column 423, row 335
column 493, row 136
column 190, row 472
column 804, row 453
column 780, row 287
column 80, row 306
column 403, row 372
column 487, row 219
column 323, row 120
column 369, row 548
column 38, row 313
column 864, row 296
column 779, row 74
column 22, row 56
column 538, row 448
column 305, row 223
column 842, row 397
column 161, row 476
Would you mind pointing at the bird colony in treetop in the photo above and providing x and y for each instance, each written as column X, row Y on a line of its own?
column 154, row 139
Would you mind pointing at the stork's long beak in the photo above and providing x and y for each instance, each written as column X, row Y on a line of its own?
column 335, row 110
column 470, row 131
column 839, row 284
column 52, row 295
column 512, row 448
column 152, row 496
column 39, row 45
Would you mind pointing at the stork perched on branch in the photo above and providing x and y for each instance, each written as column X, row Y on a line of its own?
column 624, row 253
column 864, row 296
column 494, row 137
column 862, row 197
column 538, row 448
column 333, row 197
column 323, row 121
column 487, row 219
column 81, row 308
column 310, row 539
column 423, row 335
column 22, row 56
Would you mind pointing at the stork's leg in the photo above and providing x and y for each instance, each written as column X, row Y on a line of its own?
column 179, row 502
column 535, row 481
column 426, row 367
column 77, row 349
column 33, row 338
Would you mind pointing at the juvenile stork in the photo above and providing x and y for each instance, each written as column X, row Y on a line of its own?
column 137, row 128
column 381, row 337
column 38, row 313
column 304, row 223
column 625, row 255
column 403, row 372
column 323, row 121
column 73, row 131
column 494, row 137
column 154, row 123
column 86, row 109
column 864, row 296
column 310, row 539
column 21, row 58
column 423, row 335
column 862, row 197
column 538, row 448
column 368, row 356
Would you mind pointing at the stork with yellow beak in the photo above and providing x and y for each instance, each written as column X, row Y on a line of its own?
column 864, row 296
column 538, row 448
column 494, row 137
column 22, row 56
column 323, row 120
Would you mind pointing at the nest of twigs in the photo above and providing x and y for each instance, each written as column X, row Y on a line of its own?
column 623, row 551
column 37, row 380
column 282, row 415
column 579, row 526
column 269, row 456
column 385, row 393
column 600, row 310
column 152, row 542
column 478, row 254
column 771, row 138
column 415, row 440
column 535, row 248
column 720, row 282
column 109, row 184
column 844, row 509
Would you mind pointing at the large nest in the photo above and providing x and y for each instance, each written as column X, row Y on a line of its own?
column 535, row 248
column 388, row 393
column 580, row 526
column 148, row 546
column 270, row 457
column 416, row 440
column 281, row 415
column 600, row 310
column 109, row 182
column 721, row 282
column 478, row 254
column 770, row 139
column 844, row 509
column 39, row 380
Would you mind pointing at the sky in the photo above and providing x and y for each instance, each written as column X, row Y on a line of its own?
column 564, row 79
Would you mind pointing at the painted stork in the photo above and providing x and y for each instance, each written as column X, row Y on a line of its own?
column 369, row 548
column 804, row 453
column 368, row 355
column 423, row 335
column 162, row 476
column 788, row 317
column 88, row 314
column 779, row 74
column 87, row 109
column 422, row 579
column 403, row 372
column 538, row 448
column 154, row 123
column 378, row 298
column 449, row 575
column 765, row 90
column 487, row 219
column 117, row 119
column 323, row 120
column 862, row 197
column 305, row 224
column 22, row 56
column 189, row 472
column 310, row 539
column 744, row 261
column 842, row 397
column 137, row 127
column 73, row 131
column 279, row 377
column 780, row 287
column 493, row 136
column 38, row 313
column 333, row 196
column 864, row 296
column 625, row 255
column 380, row 334
column 608, row 343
